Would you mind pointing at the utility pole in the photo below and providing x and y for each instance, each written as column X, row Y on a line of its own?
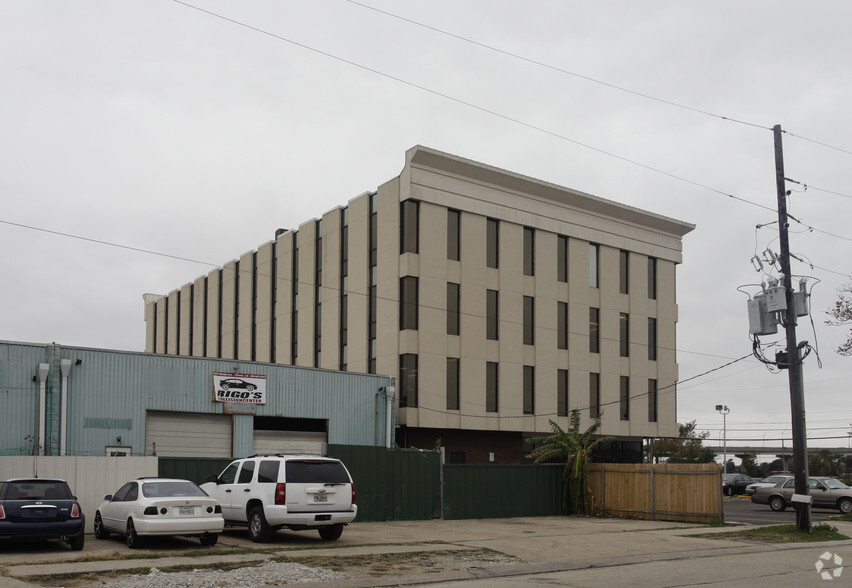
column 794, row 353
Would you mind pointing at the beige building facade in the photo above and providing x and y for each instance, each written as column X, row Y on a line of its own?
column 499, row 302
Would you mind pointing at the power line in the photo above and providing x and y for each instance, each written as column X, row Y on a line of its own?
column 559, row 69
column 589, row 78
column 477, row 107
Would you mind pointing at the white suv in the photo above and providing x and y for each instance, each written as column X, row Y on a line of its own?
column 300, row 492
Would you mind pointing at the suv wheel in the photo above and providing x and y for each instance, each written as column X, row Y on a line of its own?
column 259, row 529
column 331, row 532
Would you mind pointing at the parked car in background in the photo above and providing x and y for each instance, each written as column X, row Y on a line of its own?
column 766, row 483
column 40, row 508
column 825, row 492
column 735, row 483
column 159, row 506
column 301, row 492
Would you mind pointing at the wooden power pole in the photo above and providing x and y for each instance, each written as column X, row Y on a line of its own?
column 794, row 353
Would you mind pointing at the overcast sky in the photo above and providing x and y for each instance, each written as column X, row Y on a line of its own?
column 159, row 127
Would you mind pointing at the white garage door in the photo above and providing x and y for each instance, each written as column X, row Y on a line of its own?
column 188, row 434
column 293, row 442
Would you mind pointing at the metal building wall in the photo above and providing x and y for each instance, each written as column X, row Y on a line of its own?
column 19, row 397
column 109, row 393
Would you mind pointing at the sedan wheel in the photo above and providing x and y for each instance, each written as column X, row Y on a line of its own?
column 209, row 539
column 777, row 503
column 133, row 540
column 76, row 543
column 100, row 530
column 729, row 491
column 845, row 505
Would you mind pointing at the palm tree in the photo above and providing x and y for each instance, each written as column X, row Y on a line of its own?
column 576, row 449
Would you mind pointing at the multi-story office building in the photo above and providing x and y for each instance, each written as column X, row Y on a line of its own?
column 498, row 301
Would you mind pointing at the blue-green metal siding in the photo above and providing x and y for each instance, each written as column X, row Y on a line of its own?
column 19, row 397
column 109, row 393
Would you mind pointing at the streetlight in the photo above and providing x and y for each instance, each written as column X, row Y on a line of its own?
column 724, row 410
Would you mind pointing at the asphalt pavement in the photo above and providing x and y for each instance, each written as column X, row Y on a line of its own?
column 562, row 551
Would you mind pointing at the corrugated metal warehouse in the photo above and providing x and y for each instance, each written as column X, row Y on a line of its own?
column 78, row 401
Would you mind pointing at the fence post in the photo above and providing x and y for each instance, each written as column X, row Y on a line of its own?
column 721, row 498
column 603, row 487
column 653, row 497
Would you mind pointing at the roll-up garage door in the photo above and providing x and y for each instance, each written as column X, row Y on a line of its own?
column 188, row 434
column 292, row 442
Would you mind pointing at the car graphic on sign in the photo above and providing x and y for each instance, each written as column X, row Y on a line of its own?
column 236, row 383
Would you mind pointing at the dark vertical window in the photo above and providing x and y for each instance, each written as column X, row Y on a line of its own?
column 492, row 315
column 562, row 258
column 529, row 320
column 562, row 392
column 529, row 251
column 652, row 401
column 624, row 398
column 219, row 317
column 452, row 383
column 594, row 330
column 453, row 235
column 624, row 334
column 408, row 303
column 409, row 226
column 623, row 272
column 177, row 330
column 407, row 380
column 594, row 259
column 652, row 278
column 204, row 329
column 529, row 389
column 294, row 310
column 492, row 386
column 318, row 297
column 344, row 290
column 273, row 296
column 253, row 306
column 594, row 395
column 492, row 241
column 192, row 318
column 373, row 293
column 652, row 339
column 236, row 311
column 562, row 325
column 453, row 308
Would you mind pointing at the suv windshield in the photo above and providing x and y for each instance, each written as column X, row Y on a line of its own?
column 316, row 472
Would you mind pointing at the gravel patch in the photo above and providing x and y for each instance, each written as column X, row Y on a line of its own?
column 267, row 573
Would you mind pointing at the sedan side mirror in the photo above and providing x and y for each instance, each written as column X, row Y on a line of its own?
column 108, row 498
column 213, row 478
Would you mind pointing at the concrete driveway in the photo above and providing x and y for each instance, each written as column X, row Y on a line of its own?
column 551, row 550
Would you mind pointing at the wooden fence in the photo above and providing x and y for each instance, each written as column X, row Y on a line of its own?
column 670, row 492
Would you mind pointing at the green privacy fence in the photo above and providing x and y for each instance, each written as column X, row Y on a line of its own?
column 393, row 484
column 195, row 469
column 502, row 491
column 411, row 484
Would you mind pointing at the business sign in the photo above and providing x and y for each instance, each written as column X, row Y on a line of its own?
column 239, row 388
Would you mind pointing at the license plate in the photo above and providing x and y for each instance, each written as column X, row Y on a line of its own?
column 320, row 498
column 186, row 511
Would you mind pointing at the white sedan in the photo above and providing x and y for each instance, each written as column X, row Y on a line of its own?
column 159, row 506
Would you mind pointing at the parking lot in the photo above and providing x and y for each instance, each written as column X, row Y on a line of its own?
column 579, row 551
